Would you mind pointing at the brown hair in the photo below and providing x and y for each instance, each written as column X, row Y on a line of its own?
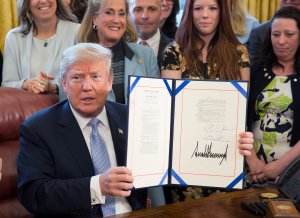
column 78, row 8
column 88, row 34
column 25, row 16
column 222, row 56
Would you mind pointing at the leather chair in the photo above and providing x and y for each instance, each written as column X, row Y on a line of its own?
column 15, row 106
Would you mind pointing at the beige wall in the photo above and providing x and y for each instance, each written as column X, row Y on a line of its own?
column 263, row 10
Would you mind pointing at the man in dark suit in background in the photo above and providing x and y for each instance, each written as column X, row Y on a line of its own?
column 145, row 16
column 59, row 173
column 258, row 34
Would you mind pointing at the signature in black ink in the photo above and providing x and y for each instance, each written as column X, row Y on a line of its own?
column 209, row 154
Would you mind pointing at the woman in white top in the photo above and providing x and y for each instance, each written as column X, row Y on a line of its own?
column 33, row 50
column 242, row 23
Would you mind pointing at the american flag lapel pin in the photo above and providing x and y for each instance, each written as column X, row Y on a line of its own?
column 120, row 131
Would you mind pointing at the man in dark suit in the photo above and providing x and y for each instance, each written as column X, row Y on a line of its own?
column 145, row 16
column 58, row 164
column 259, row 33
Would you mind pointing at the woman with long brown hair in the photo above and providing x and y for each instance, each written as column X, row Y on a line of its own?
column 205, row 46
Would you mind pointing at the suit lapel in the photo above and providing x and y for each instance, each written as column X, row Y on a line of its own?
column 117, row 122
column 130, row 69
column 74, row 140
column 163, row 42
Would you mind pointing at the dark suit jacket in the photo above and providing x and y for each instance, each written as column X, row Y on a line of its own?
column 163, row 42
column 55, row 166
column 256, row 40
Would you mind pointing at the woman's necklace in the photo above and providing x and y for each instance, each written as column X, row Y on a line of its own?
column 46, row 40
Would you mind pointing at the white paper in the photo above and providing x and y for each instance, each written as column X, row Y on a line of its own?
column 208, row 117
column 149, row 132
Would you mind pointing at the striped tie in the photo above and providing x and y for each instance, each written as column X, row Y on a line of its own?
column 101, row 163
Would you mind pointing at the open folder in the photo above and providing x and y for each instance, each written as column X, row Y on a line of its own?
column 185, row 132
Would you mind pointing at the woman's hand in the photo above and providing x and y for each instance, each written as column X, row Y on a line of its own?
column 40, row 84
column 256, row 167
column 271, row 171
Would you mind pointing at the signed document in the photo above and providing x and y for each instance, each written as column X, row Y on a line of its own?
column 185, row 132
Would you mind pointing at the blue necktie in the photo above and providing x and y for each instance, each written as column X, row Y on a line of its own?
column 101, row 163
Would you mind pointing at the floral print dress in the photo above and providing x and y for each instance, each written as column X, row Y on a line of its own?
column 173, row 59
column 273, row 123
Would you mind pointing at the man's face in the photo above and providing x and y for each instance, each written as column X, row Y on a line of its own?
column 145, row 15
column 293, row 3
column 87, row 85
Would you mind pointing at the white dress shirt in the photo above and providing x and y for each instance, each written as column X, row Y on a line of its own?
column 121, row 203
column 153, row 42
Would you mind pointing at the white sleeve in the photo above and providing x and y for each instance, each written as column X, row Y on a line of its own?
column 96, row 195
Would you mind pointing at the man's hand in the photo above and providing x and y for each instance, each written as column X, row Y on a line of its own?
column 245, row 143
column 116, row 181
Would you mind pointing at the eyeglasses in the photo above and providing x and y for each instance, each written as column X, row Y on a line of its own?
column 169, row 2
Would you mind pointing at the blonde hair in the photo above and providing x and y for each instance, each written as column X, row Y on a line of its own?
column 238, row 17
column 88, row 34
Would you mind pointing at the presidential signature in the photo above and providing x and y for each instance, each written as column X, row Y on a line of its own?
column 207, row 153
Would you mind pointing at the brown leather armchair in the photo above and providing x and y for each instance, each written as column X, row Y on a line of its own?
column 15, row 106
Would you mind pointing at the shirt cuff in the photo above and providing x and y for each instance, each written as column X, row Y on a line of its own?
column 96, row 195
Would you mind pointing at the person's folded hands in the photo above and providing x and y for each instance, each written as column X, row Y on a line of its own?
column 40, row 84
